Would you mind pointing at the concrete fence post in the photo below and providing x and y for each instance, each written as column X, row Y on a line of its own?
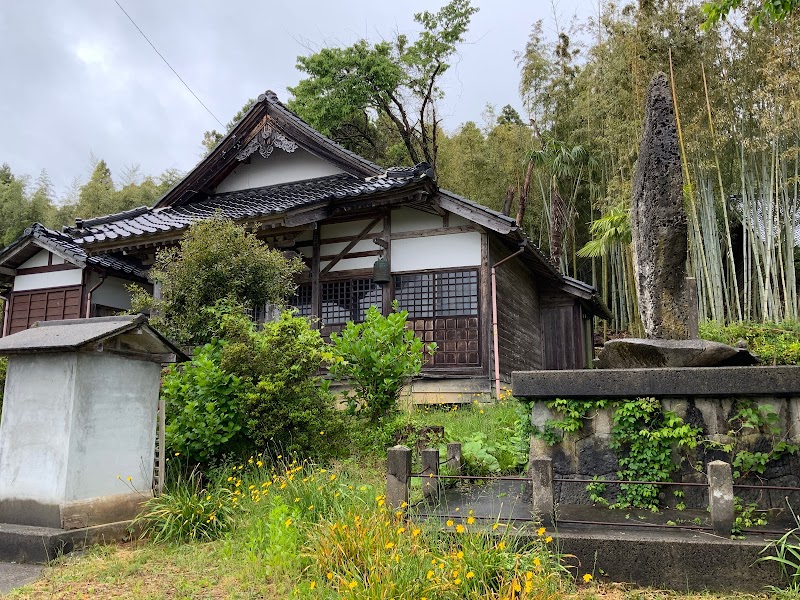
column 430, row 474
column 454, row 457
column 540, row 471
column 398, row 476
column 720, row 497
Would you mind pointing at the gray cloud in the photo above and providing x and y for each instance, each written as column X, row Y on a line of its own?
column 78, row 79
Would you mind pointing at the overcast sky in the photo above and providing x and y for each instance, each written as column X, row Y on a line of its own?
column 78, row 79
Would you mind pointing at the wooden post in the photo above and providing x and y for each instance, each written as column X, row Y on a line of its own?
column 430, row 474
column 454, row 457
column 162, row 457
column 398, row 476
column 720, row 497
column 316, row 291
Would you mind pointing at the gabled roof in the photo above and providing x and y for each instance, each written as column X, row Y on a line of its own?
column 38, row 237
column 71, row 335
column 281, row 201
column 267, row 122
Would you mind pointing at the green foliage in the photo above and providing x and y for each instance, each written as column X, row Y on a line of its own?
column 347, row 88
column 216, row 260
column 286, row 406
column 204, row 411
column 787, row 555
column 769, row 10
column 187, row 512
column 377, row 357
column 643, row 436
column 774, row 343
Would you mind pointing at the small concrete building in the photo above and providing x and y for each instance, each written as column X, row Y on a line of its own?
column 78, row 428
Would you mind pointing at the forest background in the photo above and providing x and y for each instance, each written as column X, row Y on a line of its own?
column 564, row 167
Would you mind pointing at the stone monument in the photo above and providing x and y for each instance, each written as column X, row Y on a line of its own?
column 658, row 221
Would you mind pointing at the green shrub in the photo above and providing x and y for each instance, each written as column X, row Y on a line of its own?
column 774, row 343
column 204, row 413
column 286, row 406
column 378, row 357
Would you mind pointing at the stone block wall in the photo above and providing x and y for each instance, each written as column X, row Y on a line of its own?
column 587, row 452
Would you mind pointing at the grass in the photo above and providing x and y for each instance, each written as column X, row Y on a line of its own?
column 297, row 530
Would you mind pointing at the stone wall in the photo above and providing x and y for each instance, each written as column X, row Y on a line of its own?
column 587, row 453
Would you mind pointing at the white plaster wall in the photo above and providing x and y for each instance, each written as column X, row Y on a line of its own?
column 348, row 228
column 347, row 264
column 458, row 221
column 114, row 426
column 409, row 219
column 35, row 426
column 280, row 167
column 436, row 252
column 111, row 293
column 48, row 280
column 37, row 260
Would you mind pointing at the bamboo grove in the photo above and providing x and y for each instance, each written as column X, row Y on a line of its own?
column 737, row 97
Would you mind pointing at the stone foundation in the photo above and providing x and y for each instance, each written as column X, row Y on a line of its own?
column 587, row 453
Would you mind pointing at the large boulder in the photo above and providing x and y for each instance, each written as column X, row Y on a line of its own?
column 637, row 353
column 658, row 220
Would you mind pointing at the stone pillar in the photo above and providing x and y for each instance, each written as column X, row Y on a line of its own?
column 430, row 474
column 398, row 476
column 540, row 471
column 693, row 309
column 720, row 497
column 454, row 457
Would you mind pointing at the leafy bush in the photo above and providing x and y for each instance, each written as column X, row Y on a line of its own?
column 285, row 404
column 774, row 343
column 215, row 260
column 204, row 413
column 187, row 512
column 378, row 357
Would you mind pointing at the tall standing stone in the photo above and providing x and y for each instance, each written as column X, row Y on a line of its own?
column 658, row 220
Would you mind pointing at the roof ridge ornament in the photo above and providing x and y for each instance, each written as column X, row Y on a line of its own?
column 265, row 142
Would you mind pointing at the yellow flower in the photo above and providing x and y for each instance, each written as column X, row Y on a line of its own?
column 528, row 587
column 312, row 585
column 449, row 522
column 261, row 464
column 587, row 578
column 401, row 530
column 457, row 581
column 470, row 575
column 329, row 575
column 528, row 575
column 415, row 532
column 537, row 562
column 322, row 433
column 470, row 520
column 495, row 526
column 548, row 539
column 130, row 478
column 177, row 454
column 429, row 575
column 352, row 584
column 459, row 528
column 288, row 522
column 460, row 554
column 516, row 586
column 389, row 545
column 501, row 545
column 540, row 531
column 310, row 507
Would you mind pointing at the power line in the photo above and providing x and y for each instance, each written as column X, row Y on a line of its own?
column 169, row 65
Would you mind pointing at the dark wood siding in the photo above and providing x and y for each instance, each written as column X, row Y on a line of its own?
column 518, row 313
column 44, row 305
column 564, row 332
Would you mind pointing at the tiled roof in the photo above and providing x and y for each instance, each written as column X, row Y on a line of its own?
column 65, row 245
column 245, row 204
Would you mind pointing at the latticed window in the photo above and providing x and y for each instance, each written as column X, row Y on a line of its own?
column 443, row 308
column 342, row 301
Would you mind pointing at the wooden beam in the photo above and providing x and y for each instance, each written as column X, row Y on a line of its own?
column 350, row 246
column 7, row 271
column 316, row 291
column 474, row 214
column 403, row 235
column 385, row 242
column 365, row 254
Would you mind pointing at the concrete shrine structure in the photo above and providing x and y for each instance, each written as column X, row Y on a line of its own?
column 78, row 428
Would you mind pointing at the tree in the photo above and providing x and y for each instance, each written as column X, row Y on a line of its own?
column 216, row 260
column 96, row 197
column 348, row 88
column 509, row 116
column 775, row 10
